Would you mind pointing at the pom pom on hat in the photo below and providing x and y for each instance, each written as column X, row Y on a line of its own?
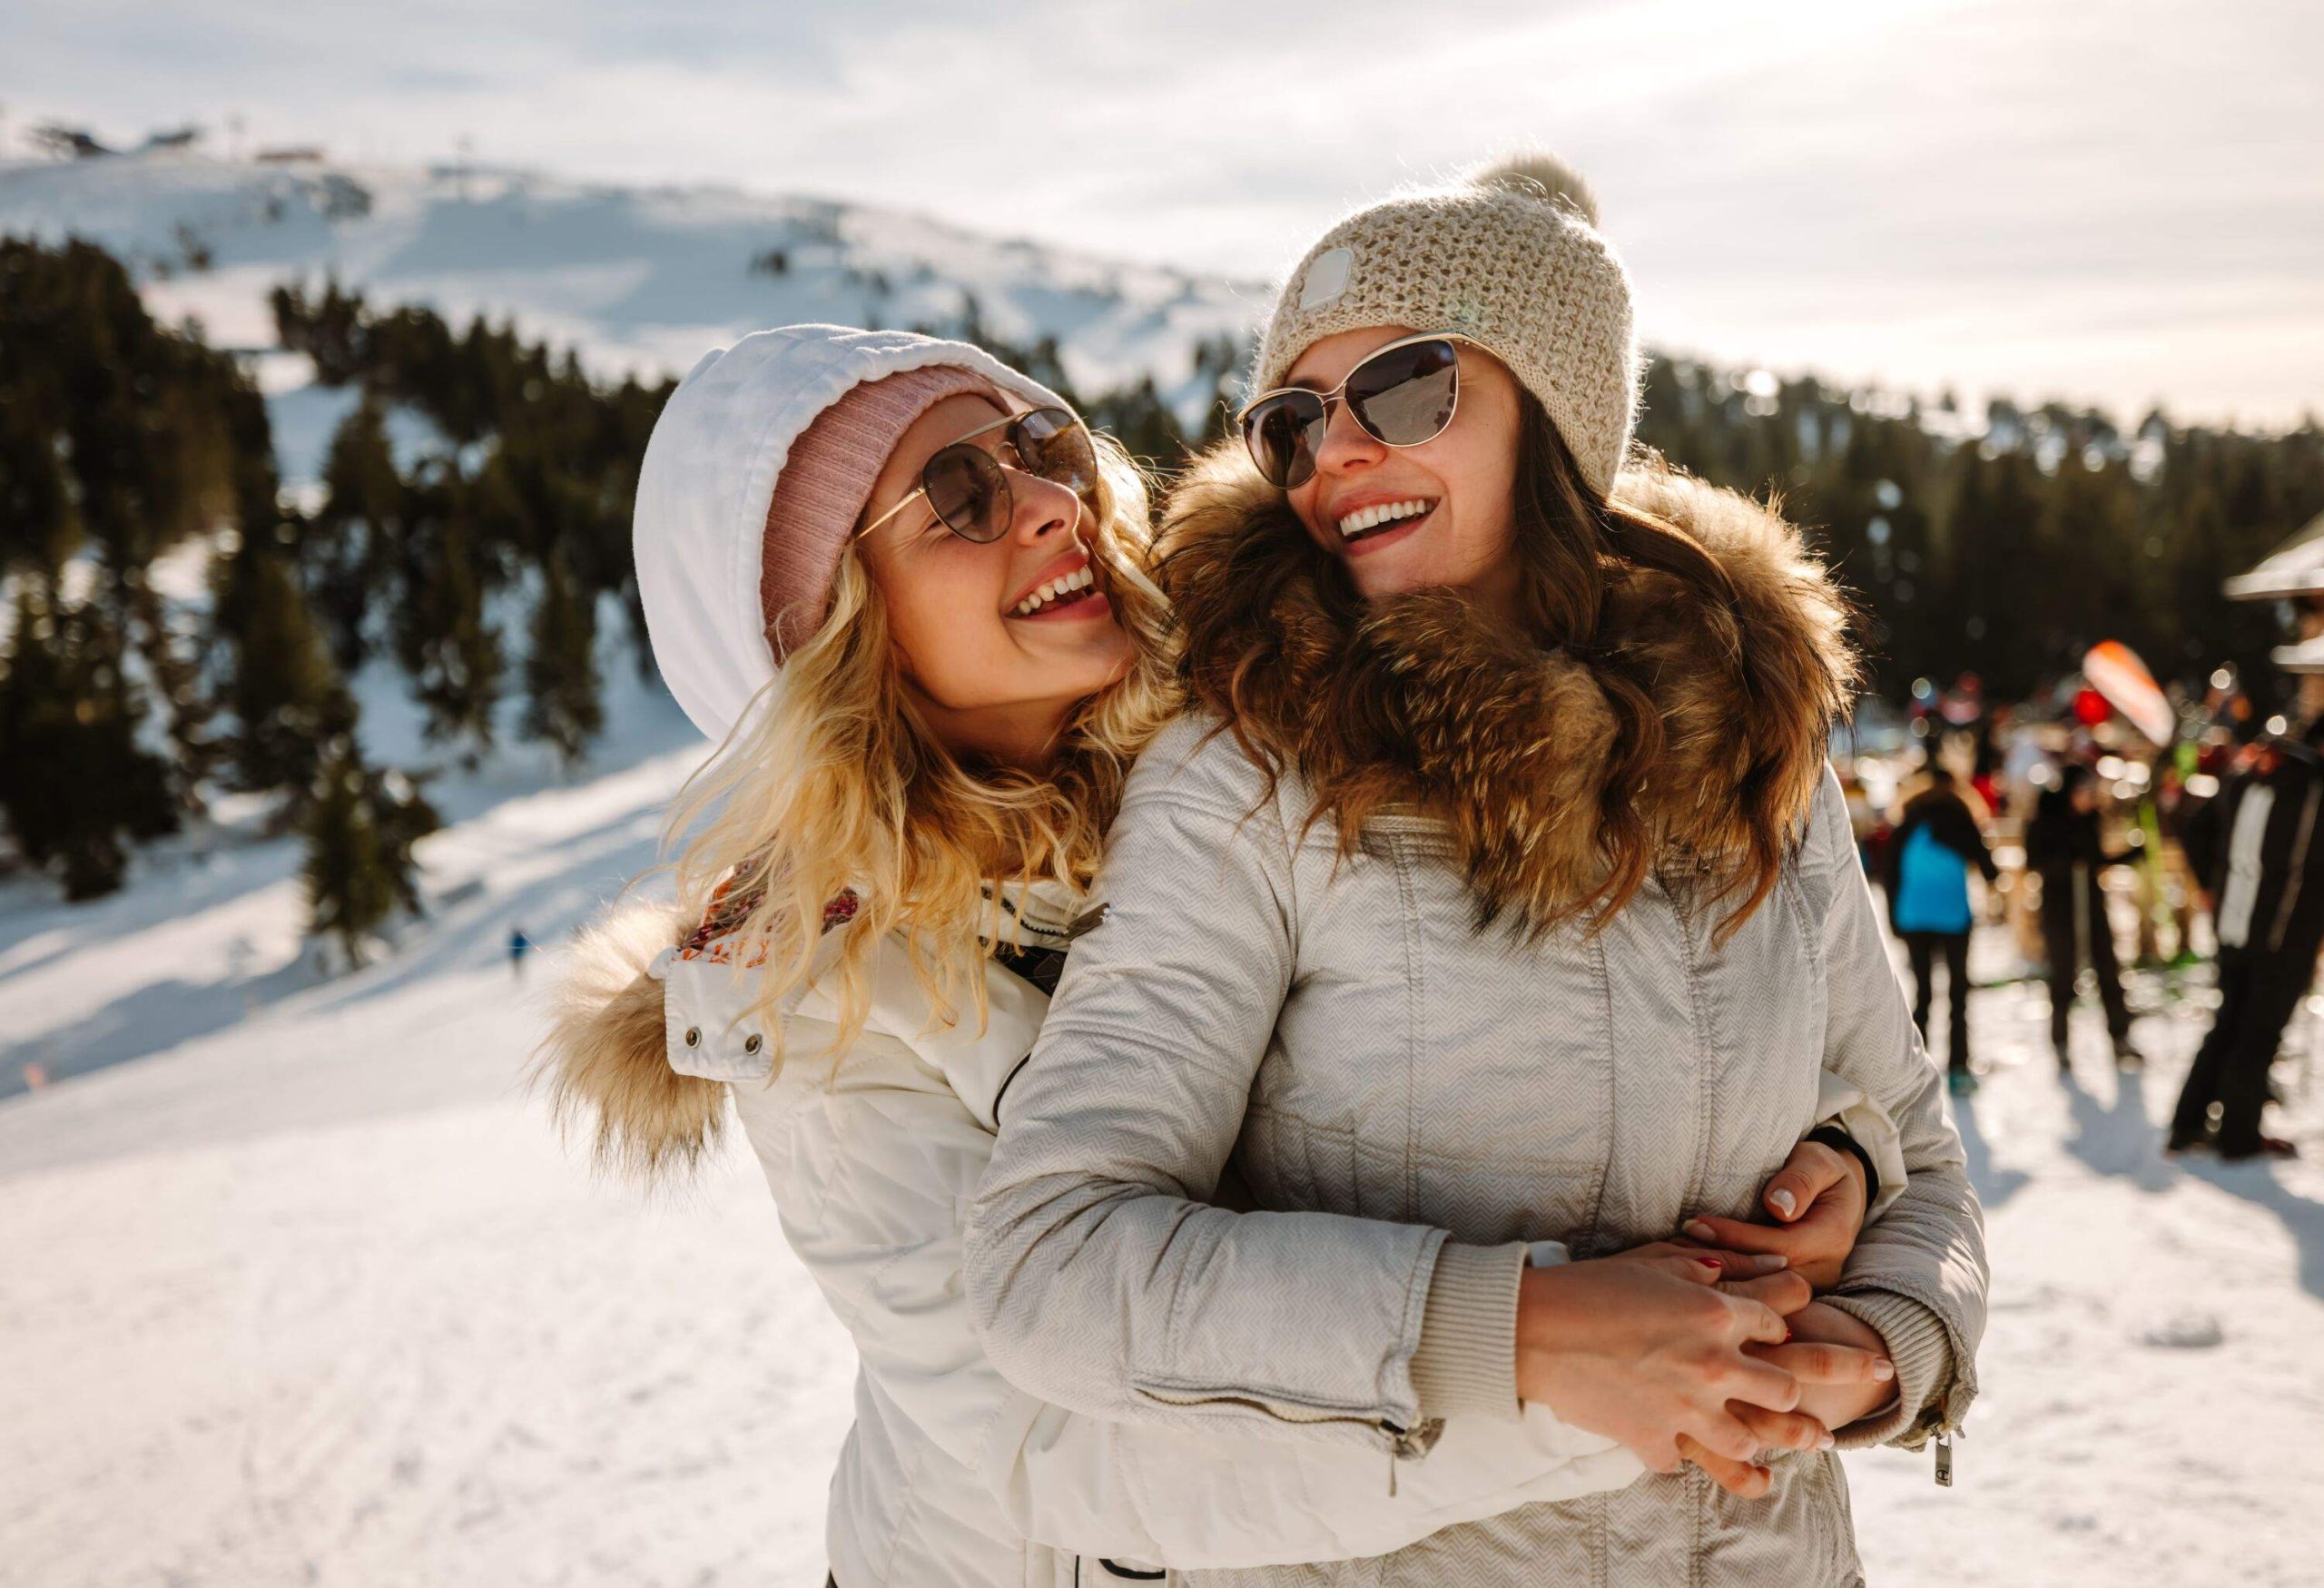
column 1540, row 174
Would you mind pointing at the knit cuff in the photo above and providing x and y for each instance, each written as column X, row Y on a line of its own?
column 1466, row 1361
column 1918, row 1345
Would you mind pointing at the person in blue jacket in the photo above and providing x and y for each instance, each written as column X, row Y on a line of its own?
column 1936, row 843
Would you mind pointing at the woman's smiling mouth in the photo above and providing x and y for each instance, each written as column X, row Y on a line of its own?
column 1360, row 528
column 1072, row 589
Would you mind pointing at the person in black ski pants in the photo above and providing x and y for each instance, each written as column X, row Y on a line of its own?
column 1936, row 843
column 2065, row 848
column 2256, row 848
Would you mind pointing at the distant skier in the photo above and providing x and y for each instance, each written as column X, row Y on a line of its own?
column 1935, row 843
column 517, row 943
column 2255, row 848
column 2065, row 846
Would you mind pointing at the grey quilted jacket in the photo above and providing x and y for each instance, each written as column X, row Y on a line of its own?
column 1407, row 1098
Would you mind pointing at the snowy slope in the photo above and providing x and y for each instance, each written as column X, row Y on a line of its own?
column 307, row 1294
column 639, row 280
column 299, row 1288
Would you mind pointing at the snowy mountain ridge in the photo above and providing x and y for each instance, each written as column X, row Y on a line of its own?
column 637, row 280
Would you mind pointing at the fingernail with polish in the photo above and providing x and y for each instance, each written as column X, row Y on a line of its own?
column 1770, row 1262
column 1698, row 1230
column 1782, row 1202
column 1710, row 1262
column 1826, row 1441
column 1884, row 1369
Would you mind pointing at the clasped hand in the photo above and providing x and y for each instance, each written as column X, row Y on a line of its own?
column 1712, row 1349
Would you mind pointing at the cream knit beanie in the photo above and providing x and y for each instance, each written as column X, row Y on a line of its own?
column 1511, row 257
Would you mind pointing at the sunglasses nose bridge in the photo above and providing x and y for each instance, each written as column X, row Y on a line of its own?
column 1345, row 443
column 1039, row 507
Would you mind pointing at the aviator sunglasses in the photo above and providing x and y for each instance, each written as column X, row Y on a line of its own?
column 1402, row 394
column 968, row 488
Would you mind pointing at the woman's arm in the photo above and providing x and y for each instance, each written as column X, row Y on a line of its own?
column 1229, row 1497
column 869, row 1186
column 1099, row 1277
column 1101, row 1283
column 1918, row 1274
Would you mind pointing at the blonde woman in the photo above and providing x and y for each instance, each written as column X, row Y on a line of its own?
column 906, row 590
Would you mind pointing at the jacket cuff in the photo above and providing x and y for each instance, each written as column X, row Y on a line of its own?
column 1466, row 1361
column 1918, row 1345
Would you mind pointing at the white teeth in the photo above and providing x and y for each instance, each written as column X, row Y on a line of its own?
column 1080, row 579
column 1364, row 519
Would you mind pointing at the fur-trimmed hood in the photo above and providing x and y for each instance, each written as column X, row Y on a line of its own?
column 651, row 1021
column 603, row 1064
column 1426, row 701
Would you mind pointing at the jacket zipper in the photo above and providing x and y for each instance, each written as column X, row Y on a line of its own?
column 1403, row 1443
column 1945, row 1430
column 1409, row 1447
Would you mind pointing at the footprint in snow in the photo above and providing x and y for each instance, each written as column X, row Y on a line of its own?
column 2188, row 1331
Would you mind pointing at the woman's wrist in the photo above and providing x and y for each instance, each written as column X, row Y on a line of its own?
column 1913, row 1337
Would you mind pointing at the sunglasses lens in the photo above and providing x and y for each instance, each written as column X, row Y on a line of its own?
column 1284, row 433
column 1053, row 445
column 1404, row 396
column 966, row 489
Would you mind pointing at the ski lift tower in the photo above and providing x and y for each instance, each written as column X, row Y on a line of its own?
column 2294, row 574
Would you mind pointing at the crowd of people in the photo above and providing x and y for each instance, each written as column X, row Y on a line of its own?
column 2205, row 851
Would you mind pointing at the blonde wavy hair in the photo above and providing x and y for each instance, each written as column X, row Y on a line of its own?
column 838, row 787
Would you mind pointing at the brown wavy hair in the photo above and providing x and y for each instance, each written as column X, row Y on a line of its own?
column 1623, row 722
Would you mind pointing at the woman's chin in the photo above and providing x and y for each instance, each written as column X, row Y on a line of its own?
column 1082, row 655
column 1387, row 575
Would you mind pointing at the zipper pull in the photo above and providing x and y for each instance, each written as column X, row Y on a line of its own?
column 1945, row 1458
column 1409, row 1445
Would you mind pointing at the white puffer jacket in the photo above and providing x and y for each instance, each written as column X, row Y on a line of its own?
column 952, row 1475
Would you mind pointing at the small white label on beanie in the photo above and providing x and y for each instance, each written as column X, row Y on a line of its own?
column 1326, row 279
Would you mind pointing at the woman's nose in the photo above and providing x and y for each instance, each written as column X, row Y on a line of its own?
column 1347, row 445
column 1041, row 508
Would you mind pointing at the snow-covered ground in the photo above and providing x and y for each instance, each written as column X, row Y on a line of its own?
column 299, row 1289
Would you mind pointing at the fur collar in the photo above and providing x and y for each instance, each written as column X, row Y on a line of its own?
column 1425, row 703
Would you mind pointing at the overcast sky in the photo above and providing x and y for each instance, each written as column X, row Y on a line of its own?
column 2118, row 201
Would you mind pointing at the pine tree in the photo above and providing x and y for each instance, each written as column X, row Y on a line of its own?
column 74, row 785
column 285, row 693
column 360, row 826
column 118, row 438
column 561, row 682
column 349, row 875
column 402, row 816
column 441, row 635
column 349, row 551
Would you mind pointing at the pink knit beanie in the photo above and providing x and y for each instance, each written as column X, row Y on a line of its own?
column 825, row 482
